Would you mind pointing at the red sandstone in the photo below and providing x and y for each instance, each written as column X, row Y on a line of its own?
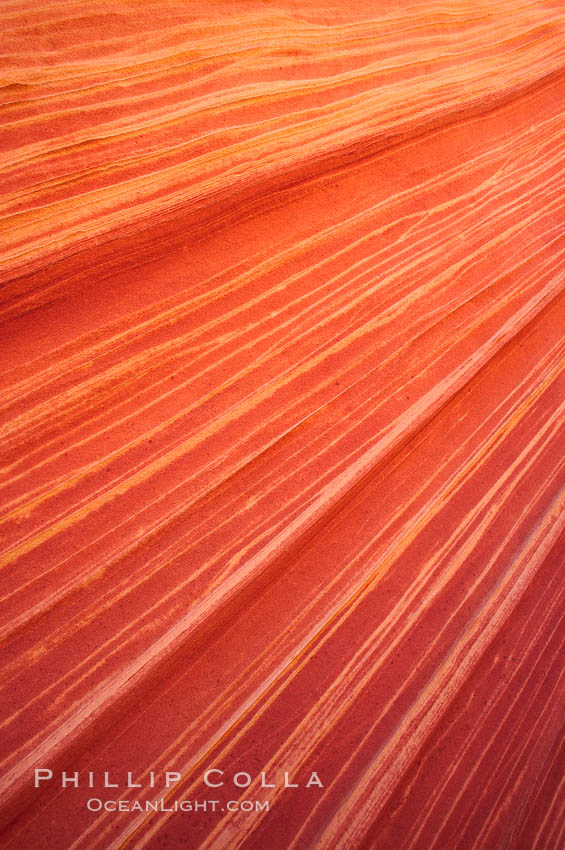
column 281, row 411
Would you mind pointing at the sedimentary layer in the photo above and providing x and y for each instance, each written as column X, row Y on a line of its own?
column 281, row 422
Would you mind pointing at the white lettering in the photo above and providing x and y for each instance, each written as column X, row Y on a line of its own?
column 41, row 774
column 288, row 784
column 69, row 780
column 171, row 778
column 314, row 780
column 213, row 784
column 107, row 783
column 264, row 783
column 131, row 783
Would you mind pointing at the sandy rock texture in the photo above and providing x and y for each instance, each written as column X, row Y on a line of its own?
column 282, row 322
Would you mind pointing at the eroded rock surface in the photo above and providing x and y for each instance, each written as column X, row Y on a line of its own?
column 282, row 399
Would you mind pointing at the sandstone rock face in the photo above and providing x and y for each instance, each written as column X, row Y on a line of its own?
column 282, row 314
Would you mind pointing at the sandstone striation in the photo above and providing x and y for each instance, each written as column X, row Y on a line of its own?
column 282, row 305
